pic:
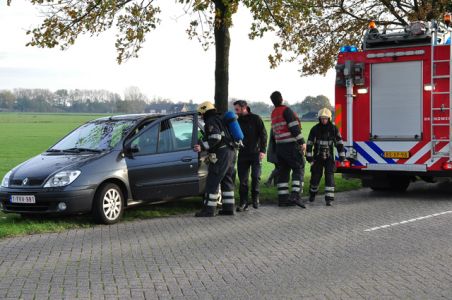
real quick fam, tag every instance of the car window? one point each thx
(171, 135)
(183, 132)
(146, 142)
(97, 135)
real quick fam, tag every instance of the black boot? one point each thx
(256, 202)
(227, 210)
(207, 211)
(311, 197)
(242, 207)
(296, 200)
(328, 201)
(283, 201)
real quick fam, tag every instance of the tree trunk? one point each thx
(222, 45)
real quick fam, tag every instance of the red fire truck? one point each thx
(393, 105)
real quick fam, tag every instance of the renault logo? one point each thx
(25, 181)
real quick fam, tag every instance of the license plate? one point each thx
(396, 154)
(23, 199)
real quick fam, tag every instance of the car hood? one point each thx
(38, 168)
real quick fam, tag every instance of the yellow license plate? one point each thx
(396, 154)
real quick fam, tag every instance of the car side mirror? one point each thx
(130, 150)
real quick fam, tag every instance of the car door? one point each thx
(164, 164)
(202, 165)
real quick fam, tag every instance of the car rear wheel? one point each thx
(108, 204)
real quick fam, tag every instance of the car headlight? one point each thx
(5, 181)
(63, 178)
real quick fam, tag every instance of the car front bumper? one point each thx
(77, 200)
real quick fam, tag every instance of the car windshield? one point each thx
(94, 136)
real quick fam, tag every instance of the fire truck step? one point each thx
(442, 61)
(441, 108)
(440, 76)
(440, 93)
(440, 140)
(441, 125)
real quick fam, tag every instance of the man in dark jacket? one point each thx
(320, 153)
(290, 147)
(251, 154)
(221, 159)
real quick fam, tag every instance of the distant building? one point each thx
(310, 116)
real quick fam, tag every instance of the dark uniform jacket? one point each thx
(324, 137)
(253, 128)
(216, 134)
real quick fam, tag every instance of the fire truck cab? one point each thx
(393, 105)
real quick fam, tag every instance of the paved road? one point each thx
(348, 251)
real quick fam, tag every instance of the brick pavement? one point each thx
(284, 253)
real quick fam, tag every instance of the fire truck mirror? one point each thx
(358, 74)
(340, 79)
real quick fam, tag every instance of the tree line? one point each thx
(133, 101)
(76, 101)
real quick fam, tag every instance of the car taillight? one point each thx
(344, 164)
(447, 165)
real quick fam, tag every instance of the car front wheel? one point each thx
(108, 204)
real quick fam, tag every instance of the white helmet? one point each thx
(325, 113)
(205, 106)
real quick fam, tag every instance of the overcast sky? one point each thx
(170, 65)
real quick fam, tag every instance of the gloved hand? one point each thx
(310, 159)
(341, 158)
(212, 158)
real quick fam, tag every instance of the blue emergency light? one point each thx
(346, 49)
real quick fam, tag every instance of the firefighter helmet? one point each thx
(205, 106)
(325, 113)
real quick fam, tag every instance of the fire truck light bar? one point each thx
(392, 54)
(345, 49)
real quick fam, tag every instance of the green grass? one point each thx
(24, 135)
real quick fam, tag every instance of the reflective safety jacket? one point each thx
(286, 126)
(324, 137)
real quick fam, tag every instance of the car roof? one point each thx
(138, 117)
(131, 117)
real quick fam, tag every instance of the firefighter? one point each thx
(220, 146)
(251, 154)
(320, 153)
(290, 147)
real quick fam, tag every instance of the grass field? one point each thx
(24, 135)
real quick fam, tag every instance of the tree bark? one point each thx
(222, 45)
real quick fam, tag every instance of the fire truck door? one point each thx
(396, 108)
